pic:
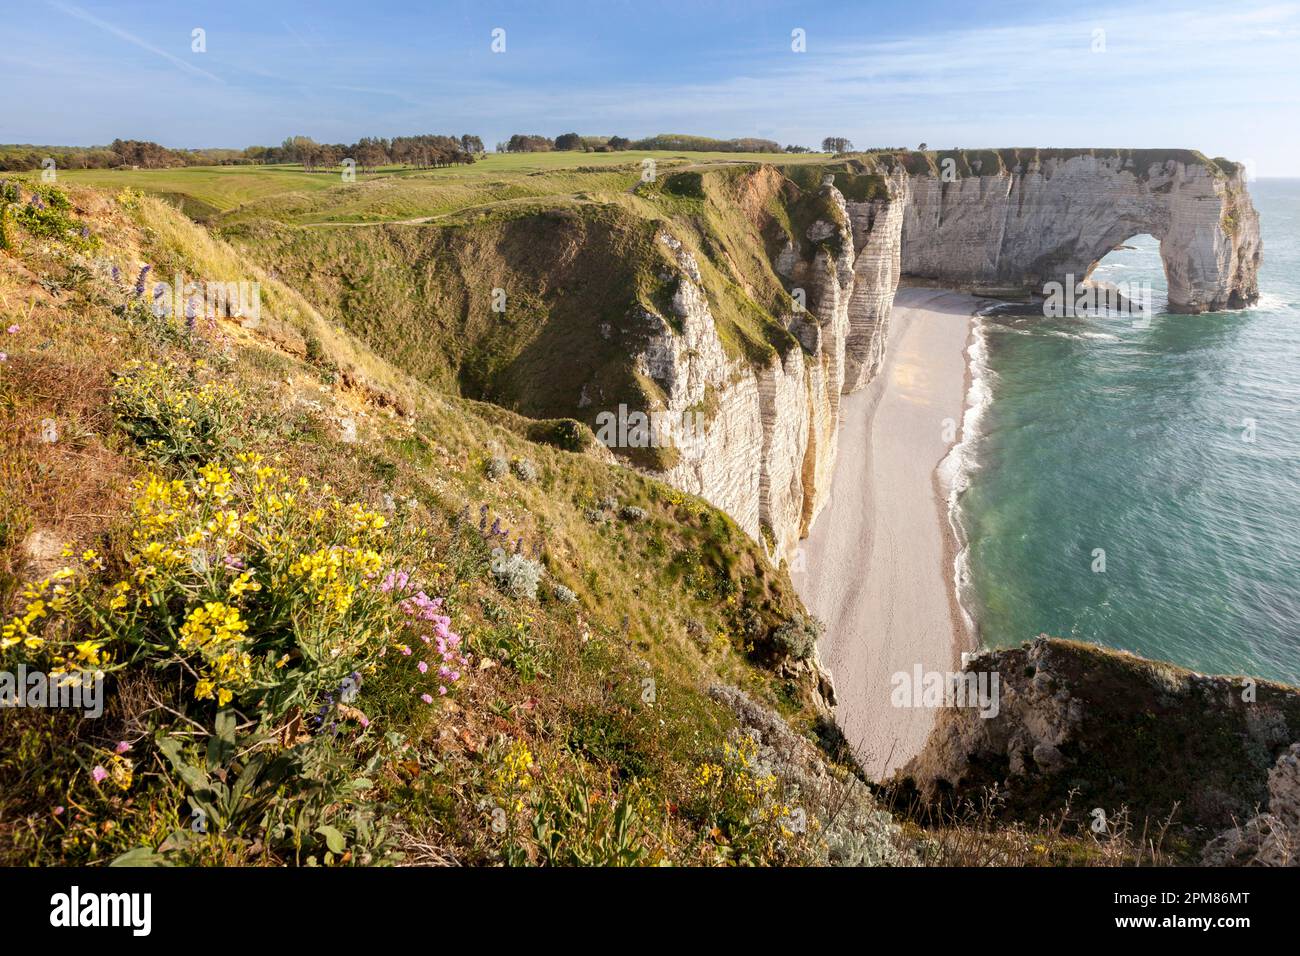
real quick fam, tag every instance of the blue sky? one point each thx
(1223, 77)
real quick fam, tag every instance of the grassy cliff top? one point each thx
(215, 512)
(986, 162)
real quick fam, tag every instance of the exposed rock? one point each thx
(1121, 732)
(1271, 838)
(877, 227)
(43, 551)
(855, 829)
(1054, 216)
(1009, 221)
(767, 449)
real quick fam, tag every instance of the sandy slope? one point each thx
(878, 562)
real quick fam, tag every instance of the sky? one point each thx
(1222, 77)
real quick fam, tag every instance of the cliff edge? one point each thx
(1129, 742)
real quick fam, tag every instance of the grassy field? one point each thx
(290, 194)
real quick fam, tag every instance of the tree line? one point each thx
(372, 152)
(535, 143)
(425, 151)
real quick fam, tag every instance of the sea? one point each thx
(1135, 483)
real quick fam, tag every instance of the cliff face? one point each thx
(877, 233)
(1011, 221)
(1080, 723)
(768, 446)
(747, 299)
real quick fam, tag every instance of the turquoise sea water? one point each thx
(1102, 435)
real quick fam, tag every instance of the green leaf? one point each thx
(222, 743)
(140, 856)
(333, 839)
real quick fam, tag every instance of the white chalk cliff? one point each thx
(1044, 217)
(768, 448)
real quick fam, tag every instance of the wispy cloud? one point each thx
(80, 14)
(1200, 73)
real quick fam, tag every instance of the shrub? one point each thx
(524, 469)
(565, 433)
(737, 796)
(608, 503)
(632, 513)
(253, 586)
(798, 636)
(515, 574)
(496, 468)
(46, 215)
(564, 595)
(172, 414)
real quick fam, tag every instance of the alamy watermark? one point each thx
(74, 908)
(683, 430)
(74, 690)
(193, 300)
(1070, 298)
(979, 690)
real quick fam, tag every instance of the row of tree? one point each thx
(534, 143)
(424, 151)
(370, 152)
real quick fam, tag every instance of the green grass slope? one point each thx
(215, 524)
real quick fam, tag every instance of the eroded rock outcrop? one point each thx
(1012, 220)
(1000, 220)
(877, 225)
(1273, 837)
(1139, 740)
(766, 450)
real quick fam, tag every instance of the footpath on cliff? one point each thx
(878, 562)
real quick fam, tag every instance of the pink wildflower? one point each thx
(99, 774)
(122, 747)
(395, 581)
(426, 698)
(424, 668)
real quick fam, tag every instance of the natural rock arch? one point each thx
(1049, 218)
